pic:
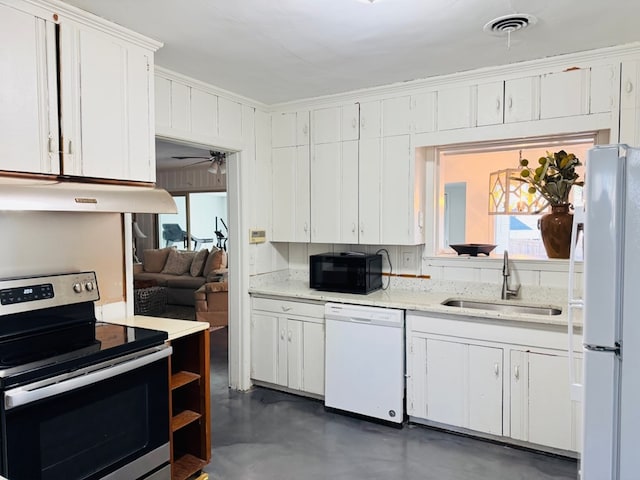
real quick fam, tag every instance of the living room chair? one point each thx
(172, 232)
(212, 304)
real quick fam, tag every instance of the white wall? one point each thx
(37, 243)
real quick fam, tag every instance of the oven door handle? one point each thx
(80, 378)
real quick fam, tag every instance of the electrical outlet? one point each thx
(408, 259)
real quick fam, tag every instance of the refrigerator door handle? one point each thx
(573, 304)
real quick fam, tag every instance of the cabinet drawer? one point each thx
(287, 307)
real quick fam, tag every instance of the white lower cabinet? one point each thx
(506, 381)
(461, 384)
(287, 344)
(540, 403)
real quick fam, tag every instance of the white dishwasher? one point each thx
(364, 360)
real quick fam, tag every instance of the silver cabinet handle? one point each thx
(285, 309)
(305, 129)
(354, 123)
(516, 372)
(353, 228)
(497, 104)
(70, 147)
(51, 150)
(289, 336)
(496, 369)
(306, 227)
(510, 103)
(78, 379)
(362, 123)
(282, 334)
(628, 86)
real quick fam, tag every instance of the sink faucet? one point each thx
(507, 293)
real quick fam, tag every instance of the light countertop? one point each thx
(174, 328)
(423, 301)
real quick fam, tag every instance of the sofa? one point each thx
(212, 303)
(181, 272)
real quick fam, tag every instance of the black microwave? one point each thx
(346, 272)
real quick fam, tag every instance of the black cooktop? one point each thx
(62, 339)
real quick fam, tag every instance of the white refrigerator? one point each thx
(611, 334)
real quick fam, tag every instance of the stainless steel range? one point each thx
(81, 399)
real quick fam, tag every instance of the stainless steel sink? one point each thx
(503, 307)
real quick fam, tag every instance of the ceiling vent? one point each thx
(509, 23)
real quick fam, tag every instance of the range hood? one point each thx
(67, 196)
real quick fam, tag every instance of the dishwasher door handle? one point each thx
(359, 319)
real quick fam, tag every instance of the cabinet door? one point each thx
(630, 103)
(490, 107)
(162, 94)
(396, 192)
(564, 94)
(302, 128)
(454, 108)
(204, 114)
(350, 122)
(396, 116)
(264, 347)
(94, 103)
(604, 90)
(485, 389)
(141, 156)
(349, 209)
(294, 354)
(313, 358)
(370, 121)
(446, 382)
(290, 177)
(326, 125)
(326, 190)
(29, 118)
(229, 119)
(541, 407)
(283, 129)
(369, 178)
(522, 99)
(180, 107)
(423, 112)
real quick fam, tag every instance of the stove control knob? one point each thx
(77, 287)
(89, 286)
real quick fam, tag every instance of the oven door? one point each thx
(106, 421)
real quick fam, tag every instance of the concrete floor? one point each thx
(269, 435)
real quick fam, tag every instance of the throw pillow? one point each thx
(154, 259)
(178, 262)
(214, 261)
(198, 262)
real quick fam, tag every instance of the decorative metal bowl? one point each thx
(473, 249)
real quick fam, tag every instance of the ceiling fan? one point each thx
(217, 160)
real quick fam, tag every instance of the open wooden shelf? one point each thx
(183, 418)
(182, 378)
(186, 466)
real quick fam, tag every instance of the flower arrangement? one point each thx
(553, 177)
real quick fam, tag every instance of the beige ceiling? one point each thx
(283, 50)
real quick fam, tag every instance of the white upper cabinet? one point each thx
(369, 193)
(490, 103)
(192, 113)
(630, 103)
(564, 94)
(370, 120)
(229, 120)
(350, 121)
(326, 125)
(291, 202)
(334, 198)
(105, 97)
(454, 108)
(423, 112)
(28, 93)
(104, 93)
(521, 99)
(396, 116)
(604, 91)
(290, 129)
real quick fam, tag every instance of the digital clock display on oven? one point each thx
(9, 296)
